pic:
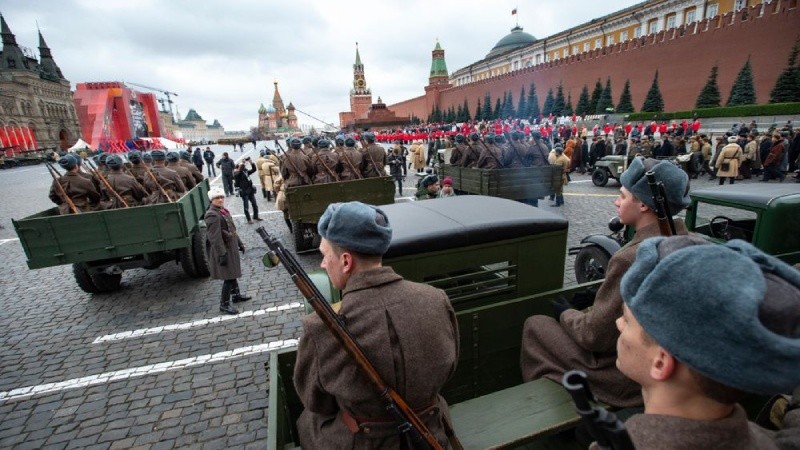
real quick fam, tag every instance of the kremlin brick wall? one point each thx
(683, 57)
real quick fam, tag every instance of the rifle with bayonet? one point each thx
(60, 189)
(666, 225)
(608, 432)
(408, 422)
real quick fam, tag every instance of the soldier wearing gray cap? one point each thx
(698, 344)
(80, 190)
(194, 171)
(166, 178)
(374, 162)
(586, 340)
(123, 184)
(408, 330)
(173, 162)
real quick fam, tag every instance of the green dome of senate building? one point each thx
(516, 39)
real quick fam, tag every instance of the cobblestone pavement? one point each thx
(155, 365)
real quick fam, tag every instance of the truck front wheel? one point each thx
(83, 279)
(600, 177)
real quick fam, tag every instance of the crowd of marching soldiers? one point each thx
(315, 161)
(107, 182)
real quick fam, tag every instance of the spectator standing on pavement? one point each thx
(222, 247)
(197, 159)
(396, 163)
(728, 159)
(226, 167)
(209, 156)
(772, 165)
(247, 191)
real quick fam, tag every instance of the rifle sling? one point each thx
(374, 164)
(350, 163)
(327, 169)
(302, 175)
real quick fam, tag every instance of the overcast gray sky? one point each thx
(221, 57)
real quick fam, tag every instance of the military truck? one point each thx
(766, 215)
(515, 184)
(101, 245)
(306, 204)
(608, 167)
(500, 262)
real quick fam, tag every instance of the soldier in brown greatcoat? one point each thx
(137, 169)
(459, 149)
(173, 162)
(186, 161)
(586, 340)
(491, 156)
(296, 167)
(79, 189)
(407, 330)
(374, 164)
(167, 179)
(472, 152)
(351, 161)
(123, 184)
(326, 163)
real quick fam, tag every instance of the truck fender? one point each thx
(608, 244)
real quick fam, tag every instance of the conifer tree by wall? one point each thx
(487, 107)
(654, 102)
(595, 99)
(743, 91)
(533, 103)
(498, 110)
(559, 102)
(582, 108)
(548, 103)
(709, 96)
(478, 111)
(605, 103)
(522, 105)
(625, 101)
(568, 111)
(787, 87)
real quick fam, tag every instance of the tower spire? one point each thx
(47, 64)
(277, 101)
(12, 54)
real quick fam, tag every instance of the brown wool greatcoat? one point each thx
(221, 239)
(662, 432)
(588, 340)
(196, 173)
(167, 179)
(127, 187)
(296, 168)
(417, 152)
(270, 173)
(326, 166)
(79, 189)
(409, 332)
(374, 163)
(185, 174)
(350, 157)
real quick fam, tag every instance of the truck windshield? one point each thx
(724, 222)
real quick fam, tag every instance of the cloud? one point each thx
(221, 57)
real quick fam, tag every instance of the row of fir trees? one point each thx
(600, 101)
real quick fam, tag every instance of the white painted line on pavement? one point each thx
(197, 323)
(580, 181)
(149, 369)
(3, 241)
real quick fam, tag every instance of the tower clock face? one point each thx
(360, 83)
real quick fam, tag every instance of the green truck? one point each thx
(515, 184)
(100, 245)
(306, 204)
(765, 215)
(500, 262)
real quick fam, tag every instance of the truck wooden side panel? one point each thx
(514, 184)
(50, 239)
(307, 203)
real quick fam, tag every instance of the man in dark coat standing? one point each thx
(222, 244)
(209, 156)
(586, 340)
(226, 166)
(197, 159)
(407, 330)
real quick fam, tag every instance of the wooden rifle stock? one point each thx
(60, 189)
(104, 180)
(155, 180)
(396, 406)
(665, 223)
